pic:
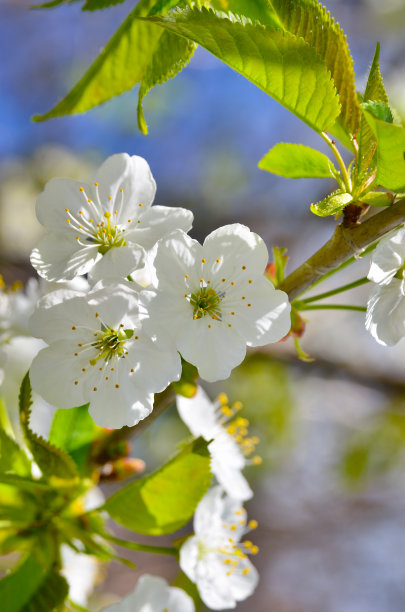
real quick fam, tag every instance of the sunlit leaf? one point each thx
(378, 198)
(390, 153)
(19, 587)
(281, 64)
(171, 55)
(12, 457)
(297, 161)
(374, 92)
(332, 204)
(311, 20)
(165, 500)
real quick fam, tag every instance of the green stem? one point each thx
(161, 550)
(326, 294)
(343, 265)
(331, 307)
(343, 169)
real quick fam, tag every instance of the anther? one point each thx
(140, 205)
(67, 210)
(250, 282)
(76, 382)
(203, 260)
(94, 388)
(96, 184)
(223, 279)
(73, 327)
(117, 386)
(232, 283)
(243, 267)
(81, 189)
(107, 215)
(218, 260)
(243, 297)
(186, 276)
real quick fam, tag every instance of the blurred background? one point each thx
(330, 494)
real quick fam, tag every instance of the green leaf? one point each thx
(187, 385)
(256, 10)
(120, 65)
(332, 204)
(161, 503)
(379, 110)
(73, 428)
(281, 64)
(19, 587)
(377, 198)
(390, 153)
(170, 56)
(95, 5)
(12, 457)
(310, 20)
(374, 92)
(75, 432)
(127, 59)
(297, 161)
(52, 593)
(51, 461)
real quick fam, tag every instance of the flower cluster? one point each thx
(385, 317)
(155, 294)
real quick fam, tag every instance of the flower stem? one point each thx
(302, 306)
(326, 294)
(160, 550)
(343, 169)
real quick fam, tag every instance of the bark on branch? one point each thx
(344, 243)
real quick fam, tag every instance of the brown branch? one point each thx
(344, 243)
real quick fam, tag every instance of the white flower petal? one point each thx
(176, 256)
(214, 351)
(385, 317)
(388, 258)
(189, 557)
(264, 316)
(158, 221)
(116, 407)
(118, 263)
(53, 373)
(59, 194)
(198, 413)
(133, 176)
(155, 366)
(152, 594)
(68, 319)
(241, 252)
(58, 257)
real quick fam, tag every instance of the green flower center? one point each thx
(111, 343)
(206, 301)
(108, 236)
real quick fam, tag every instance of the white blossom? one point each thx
(99, 353)
(153, 594)
(388, 259)
(214, 300)
(385, 317)
(230, 445)
(214, 558)
(103, 228)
